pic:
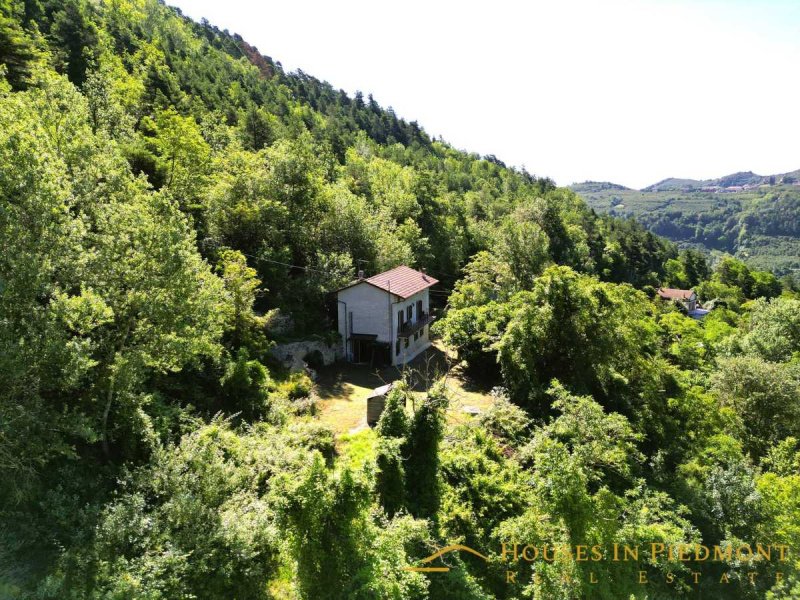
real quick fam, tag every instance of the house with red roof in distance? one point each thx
(385, 318)
(688, 298)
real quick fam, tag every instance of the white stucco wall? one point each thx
(370, 309)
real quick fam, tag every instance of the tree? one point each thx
(676, 276)
(765, 285)
(169, 308)
(524, 247)
(695, 266)
(766, 396)
(17, 53)
(485, 279)
(183, 155)
(190, 524)
(390, 479)
(242, 286)
(474, 332)
(583, 491)
(76, 32)
(735, 273)
(320, 510)
(481, 487)
(393, 433)
(259, 128)
(245, 387)
(103, 305)
(683, 339)
(427, 427)
(241, 213)
(339, 551)
(394, 421)
(593, 337)
(774, 329)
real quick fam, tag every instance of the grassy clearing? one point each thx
(343, 389)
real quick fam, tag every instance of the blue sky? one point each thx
(629, 91)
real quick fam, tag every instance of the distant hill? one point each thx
(674, 184)
(740, 179)
(754, 217)
(597, 186)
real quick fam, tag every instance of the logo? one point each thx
(442, 552)
(514, 555)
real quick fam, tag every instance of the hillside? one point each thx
(750, 216)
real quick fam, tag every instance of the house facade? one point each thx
(385, 319)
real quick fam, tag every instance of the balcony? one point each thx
(409, 328)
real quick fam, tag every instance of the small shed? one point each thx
(376, 402)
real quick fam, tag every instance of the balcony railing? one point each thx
(409, 328)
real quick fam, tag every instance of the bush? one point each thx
(192, 524)
(505, 420)
(314, 436)
(245, 387)
(298, 385)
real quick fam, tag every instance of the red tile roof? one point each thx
(401, 281)
(675, 294)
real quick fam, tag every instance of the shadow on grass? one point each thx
(343, 388)
(339, 381)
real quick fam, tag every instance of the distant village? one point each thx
(716, 189)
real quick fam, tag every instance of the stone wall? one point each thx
(293, 353)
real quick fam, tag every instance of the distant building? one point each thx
(686, 297)
(384, 319)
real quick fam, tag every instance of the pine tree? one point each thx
(16, 53)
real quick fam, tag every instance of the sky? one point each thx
(628, 91)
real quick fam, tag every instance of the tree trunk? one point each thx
(109, 400)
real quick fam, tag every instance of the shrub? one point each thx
(298, 385)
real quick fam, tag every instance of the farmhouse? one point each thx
(688, 298)
(384, 319)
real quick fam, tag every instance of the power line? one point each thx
(277, 262)
(269, 260)
(290, 265)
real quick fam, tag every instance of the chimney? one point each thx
(424, 271)
(360, 274)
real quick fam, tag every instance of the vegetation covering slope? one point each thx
(164, 188)
(750, 216)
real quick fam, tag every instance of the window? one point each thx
(399, 321)
(416, 335)
(410, 313)
(397, 347)
(419, 309)
(406, 344)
